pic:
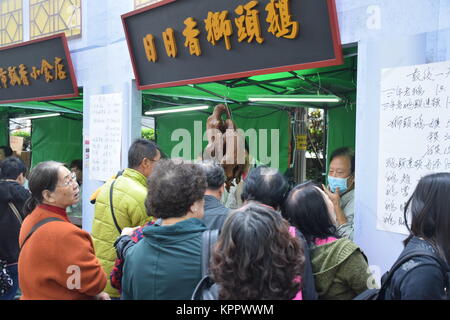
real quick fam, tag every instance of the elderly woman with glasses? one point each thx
(57, 259)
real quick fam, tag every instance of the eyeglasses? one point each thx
(70, 179)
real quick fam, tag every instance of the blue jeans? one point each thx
(14, 274)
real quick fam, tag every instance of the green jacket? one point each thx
(340, 270)
(130, 191)
(166, 263)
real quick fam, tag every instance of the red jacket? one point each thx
(58, 261)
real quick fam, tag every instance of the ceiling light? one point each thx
(296, 98)
(31, 117)
(176, 109)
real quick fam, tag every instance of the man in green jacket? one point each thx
(128, 201)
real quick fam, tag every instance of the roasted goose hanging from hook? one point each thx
(225, 144)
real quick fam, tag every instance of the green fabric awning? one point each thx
(339, 80)
(68, 106)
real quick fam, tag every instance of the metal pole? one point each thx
(300, 131)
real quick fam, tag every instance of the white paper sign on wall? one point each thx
(105, 133)
(414, 135)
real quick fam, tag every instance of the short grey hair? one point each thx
(215, 175)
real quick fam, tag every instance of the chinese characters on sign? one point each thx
(174, 43)
(191, 34)
(414, 135)
(19, 76)
(219, 26)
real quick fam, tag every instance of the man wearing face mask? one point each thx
(341, 189)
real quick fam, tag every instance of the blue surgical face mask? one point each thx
(340, 183)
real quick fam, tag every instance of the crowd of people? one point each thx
(154, 224)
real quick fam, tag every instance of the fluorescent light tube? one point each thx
(329, 99)
(176, 109)
(48, 115)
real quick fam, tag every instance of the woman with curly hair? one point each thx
(256, 257)
(166, 263)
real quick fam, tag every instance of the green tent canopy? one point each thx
(56, 138)
(336, 80)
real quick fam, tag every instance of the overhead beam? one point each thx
(65, 108)
(226, 99)
(312, 83)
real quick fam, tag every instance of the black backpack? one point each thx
(309, 291)
(206, 289)
(378, 294)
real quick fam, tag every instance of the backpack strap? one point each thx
(209, 238)
(112, 207)
(37, 226)
(409, 256)
(16, 212)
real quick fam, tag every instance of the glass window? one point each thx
(11, 23)
(49, 17)
(142, 3)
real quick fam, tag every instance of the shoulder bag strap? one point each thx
(16, 212)
(37, 226)
(209, 238)
(112, 207)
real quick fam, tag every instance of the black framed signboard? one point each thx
(178, 42)
(37, 70)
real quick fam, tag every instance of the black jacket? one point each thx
(215, 213)
(9, 224)
(420, 278)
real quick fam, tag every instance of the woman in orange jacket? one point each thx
(57, 259)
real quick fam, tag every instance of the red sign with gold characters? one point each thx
(37, 70)
(178, 42)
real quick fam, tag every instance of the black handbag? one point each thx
(6, 282)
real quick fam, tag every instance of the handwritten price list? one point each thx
(105, 128)
(414, 136)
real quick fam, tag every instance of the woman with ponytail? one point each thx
(57, 259)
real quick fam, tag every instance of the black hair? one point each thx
(139, 150)
(78, 163)
(345, 152)
(173, 188)
(256, 257)
(265, 185)
(306, 209)
(215, 175)
(43, 177)
(11, 168)
(429, 206)
(7, 150)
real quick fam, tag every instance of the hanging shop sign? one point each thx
(37, 70)
(179, 42)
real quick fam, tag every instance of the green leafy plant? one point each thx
(148, 133)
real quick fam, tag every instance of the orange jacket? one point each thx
(58, 261)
